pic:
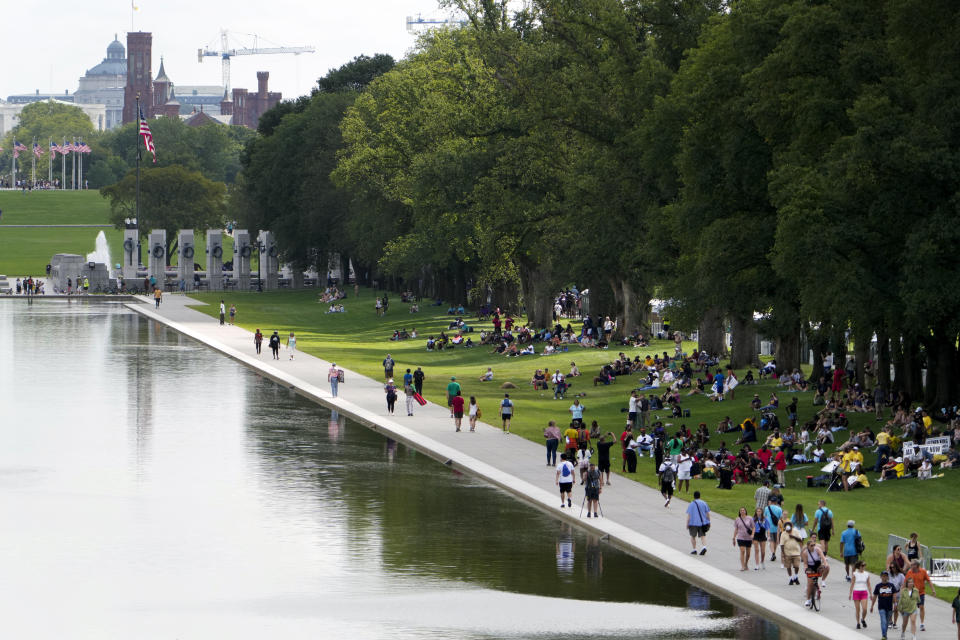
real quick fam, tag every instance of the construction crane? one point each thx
(226, 53)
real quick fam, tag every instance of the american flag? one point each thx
(53, 149)
(37, 150)
(17, 148)
(147, 137)
(85, 148)
(66, 148)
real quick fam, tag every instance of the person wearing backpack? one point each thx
(583, 438)
(667, 473)
(594, 485)
(850, 552)
(824, 519)
(564, 479)
(506, 412)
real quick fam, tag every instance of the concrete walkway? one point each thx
(635, 518)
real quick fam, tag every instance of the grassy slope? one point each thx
(54, 207)
(359, 340)
(26, 251)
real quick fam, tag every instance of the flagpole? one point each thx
(137, 218)
(33, 164)
(50, 165)
(63, 166)
(13, 157)
(80, 169)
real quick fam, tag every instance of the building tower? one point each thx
(139, 76)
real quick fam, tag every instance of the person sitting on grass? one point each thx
(749, 379)
(574, 371)
(487, 376)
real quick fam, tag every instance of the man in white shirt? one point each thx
(684, 465)
(564, 480)
(645, 443)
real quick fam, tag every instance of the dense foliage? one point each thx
(791, 160)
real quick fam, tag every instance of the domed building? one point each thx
(104, 84)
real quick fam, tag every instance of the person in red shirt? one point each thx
(837, 385)
(780, 464)
(456, 403)
(624, 440)
(920, 579)
(765, 454)
(496, 324)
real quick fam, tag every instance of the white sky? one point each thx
(48, 46)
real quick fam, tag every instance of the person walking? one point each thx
(698, 523)
(457, 405)
(473, 412)
(388, 364)
(823, 517)
(223, 312)
(955, 605)
(453, 388)
(552, 436)
(743, 528)
(333, 377)
(275, 345)
(849, 540)
(907, 605)
(920, 579)
(258, 341)
(391, 392)
(409, 392)
(859, 592)
(157, 295)
(593, 486)
(292, 344)
(576, 411)
(506, 412)
(791, 547)
(773, 513)
(884, 595)
(759, 540)
(418, 380)
(233, 313)
(564, 480)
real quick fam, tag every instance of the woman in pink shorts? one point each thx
(860, 592)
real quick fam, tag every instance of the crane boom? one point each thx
(226, 53)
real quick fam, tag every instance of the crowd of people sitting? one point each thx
(330, 294)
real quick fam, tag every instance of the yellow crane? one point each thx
(226, 53)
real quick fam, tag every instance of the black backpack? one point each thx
(826, 522)
(667, 475)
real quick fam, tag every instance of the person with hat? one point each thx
(593, 486)
(388, 365)
(920, 579)
(884, 596)
(849, 541)
(391, 390)
(852, 461)
(453, 390)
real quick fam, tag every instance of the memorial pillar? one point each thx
(214, 259)
(269, 261)
(157, 245)
(185, 259)
(242, 250)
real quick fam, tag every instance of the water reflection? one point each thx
(159, 487)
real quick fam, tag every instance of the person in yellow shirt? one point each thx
(851, 465)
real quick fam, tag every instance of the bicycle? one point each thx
(814, 577)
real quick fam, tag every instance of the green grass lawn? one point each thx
(54, 207)
(359, 340)
(27, 251)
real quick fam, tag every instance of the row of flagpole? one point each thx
(75, 147)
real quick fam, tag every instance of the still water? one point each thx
(150, 488)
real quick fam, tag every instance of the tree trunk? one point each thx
(621, 309)
(788, 351)
(941, 369)
(861, 353)
(537, 288)
(818, 343)
(883, 360)
(710, 334)
(743, 349)
(911, 380)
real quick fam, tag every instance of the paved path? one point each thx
(635, 518)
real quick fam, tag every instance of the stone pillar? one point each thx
(185, 259)
(157, 246)
(242, 250)
(214, 259)
(128, 266)
(269, 261)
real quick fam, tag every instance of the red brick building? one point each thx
(139, 76)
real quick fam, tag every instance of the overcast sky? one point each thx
(48, 46)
